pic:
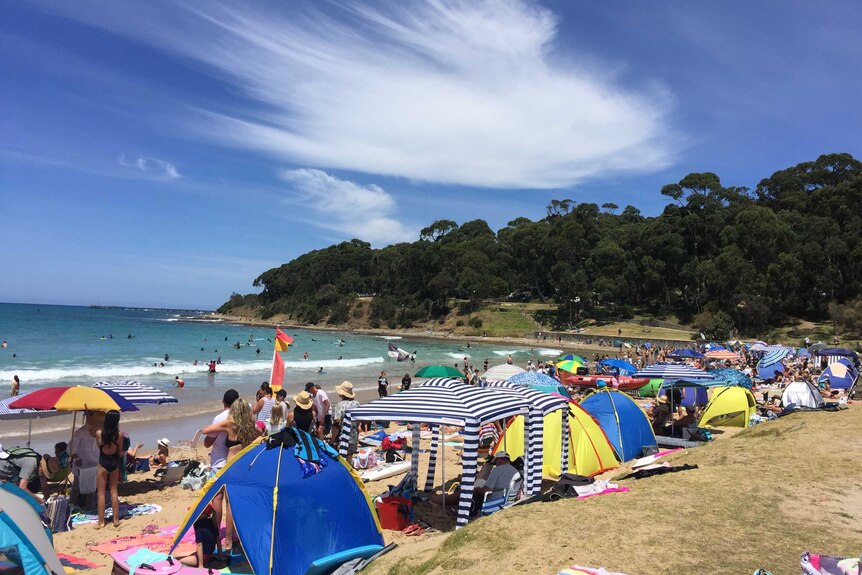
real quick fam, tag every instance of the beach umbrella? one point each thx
(671, 371)
(502, 371)
(533, 378)
(731, 376)
(558, 389)
(572, 357)
(8, 413)
(619, 364)
(758, 346)
(685, 353)
(137, 393)
(438, 371)
(815, 347)
(74, 398)
(569, 365)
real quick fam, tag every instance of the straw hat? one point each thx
(164, 442)
(662, 399)
(345, 389)
(303, 400)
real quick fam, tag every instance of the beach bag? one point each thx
(566, 486)
(195, 477)
(701, 434)
(141, 464)
(365, 460)
(15, 455)
(59, 514)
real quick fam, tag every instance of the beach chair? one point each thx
(173, 474)
(189, 447)
(510, 496)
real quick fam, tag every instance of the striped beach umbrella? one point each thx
(722, 354)
(137, 393)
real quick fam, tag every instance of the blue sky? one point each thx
(166, 153)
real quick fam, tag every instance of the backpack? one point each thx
(15, 455)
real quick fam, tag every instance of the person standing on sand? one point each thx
(382, 385)
(16, 385)
(218, 455)
(108, 440)
(348, 401)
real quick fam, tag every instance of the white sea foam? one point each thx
(505, 352)
(458, 355)
(109, 372)
(390, 337)
(550, 352)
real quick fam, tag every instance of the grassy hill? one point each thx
(758, 499)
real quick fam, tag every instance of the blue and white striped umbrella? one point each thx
(772, 362)
(137, 393)
(672, 371)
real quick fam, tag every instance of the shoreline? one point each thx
(419, 333)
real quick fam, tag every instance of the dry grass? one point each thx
(632, 330)
(759, 498)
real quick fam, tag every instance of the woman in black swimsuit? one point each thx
(108, 440)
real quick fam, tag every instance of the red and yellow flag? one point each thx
(282, 340)
(276, 378)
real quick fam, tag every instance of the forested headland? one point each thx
(723, 258)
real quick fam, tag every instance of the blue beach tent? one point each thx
(25, 544)
(772, 363)
(625, 425)
(840, 376)
(294, 516)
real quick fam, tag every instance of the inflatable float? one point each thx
(624, 382)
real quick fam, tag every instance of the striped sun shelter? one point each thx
(444, 401)
(672, 371)
(541, 405)
(137, 393)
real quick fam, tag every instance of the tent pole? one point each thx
(443, 467)
(29, 429)
(71, 451)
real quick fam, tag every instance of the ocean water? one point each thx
(67, 345)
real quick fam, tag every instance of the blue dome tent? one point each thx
(840, 376)
(24, 541)
(625, 425)
(292, 517)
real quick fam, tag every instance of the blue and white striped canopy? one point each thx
(672, 371)
(137, 393)
(442, 400)
(771, 362)
(544, 402)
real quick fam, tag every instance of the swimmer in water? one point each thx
(320, 369)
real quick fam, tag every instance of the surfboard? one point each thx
(385, 470)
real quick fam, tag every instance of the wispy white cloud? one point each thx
(438, 90)
(364, 212)
(150, 166)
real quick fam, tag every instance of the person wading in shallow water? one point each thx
(382, 385)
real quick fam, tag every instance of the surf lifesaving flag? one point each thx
(282, 340)
(282, 343)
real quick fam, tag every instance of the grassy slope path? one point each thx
(759, 498)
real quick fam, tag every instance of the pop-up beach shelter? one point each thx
(588, 451)
(803, 394)
(730, 407)
(840, 376)
(24, 541)
(296, 504)
(439, 402)
(625, 425)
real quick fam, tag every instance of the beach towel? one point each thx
(658, 470)
(814, 564)
(144, 556)
(126, 511)
(599, 488)
(76, 563)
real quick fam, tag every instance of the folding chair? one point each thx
(172, 475)
(510, 496)
(188, 447)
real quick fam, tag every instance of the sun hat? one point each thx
(303, 400)
(164, 442)
(345, 389)
(501, 455)
(662, 399)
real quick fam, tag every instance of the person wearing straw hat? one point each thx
(660, 414)
(304, 414)
(348, 401)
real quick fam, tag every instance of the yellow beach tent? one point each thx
(590, 452)
(730, 407)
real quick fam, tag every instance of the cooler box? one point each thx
(394, 512)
